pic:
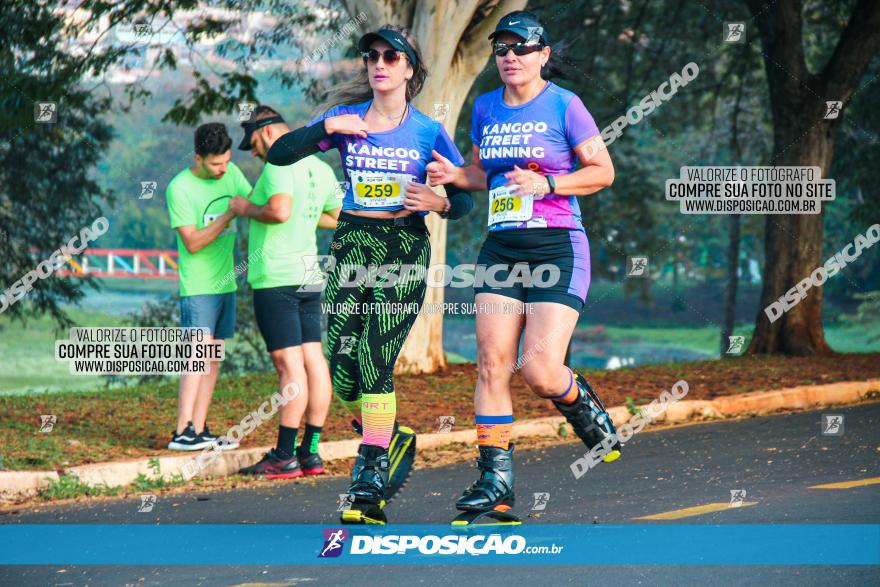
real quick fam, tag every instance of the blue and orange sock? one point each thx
(494, 430)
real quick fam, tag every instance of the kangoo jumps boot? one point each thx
(590, 421)
(401, 454)
(492, 495)
(369, 479)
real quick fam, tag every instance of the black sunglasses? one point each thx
(521, 48)
(390, 56)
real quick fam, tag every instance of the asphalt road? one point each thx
(774, 459)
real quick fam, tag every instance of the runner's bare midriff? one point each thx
(379, 213)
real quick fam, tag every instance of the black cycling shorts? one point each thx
(287, 317)
(537, 264)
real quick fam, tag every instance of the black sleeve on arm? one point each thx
(296, 145)
(460, 202)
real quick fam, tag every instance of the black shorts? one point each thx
(287, 317)
(557, 259)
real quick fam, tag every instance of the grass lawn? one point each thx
(27, 354)
(842, 337)
(129, 284)
(136, 421)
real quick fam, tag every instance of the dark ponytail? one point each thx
(559, 64)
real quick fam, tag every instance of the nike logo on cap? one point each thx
(513, 22)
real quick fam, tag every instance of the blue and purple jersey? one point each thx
(378, 167)
(539, 135)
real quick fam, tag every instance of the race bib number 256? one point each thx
(504, 206)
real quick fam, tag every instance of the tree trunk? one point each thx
(802, 136)
(732, 282)
(423, 350)
(793, 250)
(453, 37)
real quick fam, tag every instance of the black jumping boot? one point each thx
(369, 476)
(488, 500)
(590, 420)
(495, 485)
(401, 454)
(369, 480)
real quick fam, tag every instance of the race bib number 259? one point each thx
(378, 189)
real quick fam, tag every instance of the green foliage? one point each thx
(867, 312)
(46, 169)
(157, 481)
(631, 405)
(70, 487)
(47, 191)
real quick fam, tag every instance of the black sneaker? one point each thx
(310, 463)
(188, 440)
(212, 438)
(272, 466)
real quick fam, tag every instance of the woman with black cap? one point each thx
(385, 145)
(529, 136)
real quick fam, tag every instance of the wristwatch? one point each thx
(447, 206)
(551, 182)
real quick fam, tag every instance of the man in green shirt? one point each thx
(287, 205)
(198, 205)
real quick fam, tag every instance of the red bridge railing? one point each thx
(145, 264)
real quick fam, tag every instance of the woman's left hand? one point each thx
(527, 182)
(421, 198)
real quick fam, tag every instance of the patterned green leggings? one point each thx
(363, 342)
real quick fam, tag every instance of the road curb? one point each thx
(16, 485)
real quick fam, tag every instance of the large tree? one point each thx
(453, 39)
(803, 136)
(47, 192)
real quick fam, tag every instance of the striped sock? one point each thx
(494, 430)
(379, 411)
(570, 395)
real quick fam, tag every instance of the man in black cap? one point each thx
(286, 206)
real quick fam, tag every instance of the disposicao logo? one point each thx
(334, 539)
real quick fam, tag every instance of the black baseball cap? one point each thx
(250, 127)
(393, 38)
(522, 23)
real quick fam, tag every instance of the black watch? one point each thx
(551, 182)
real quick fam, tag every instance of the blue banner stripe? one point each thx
(138, 544)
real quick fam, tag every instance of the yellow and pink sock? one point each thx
(378, 411)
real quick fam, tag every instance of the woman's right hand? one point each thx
(346, 124)
(441, 171)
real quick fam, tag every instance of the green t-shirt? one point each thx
(193, 201)
(276, 251)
